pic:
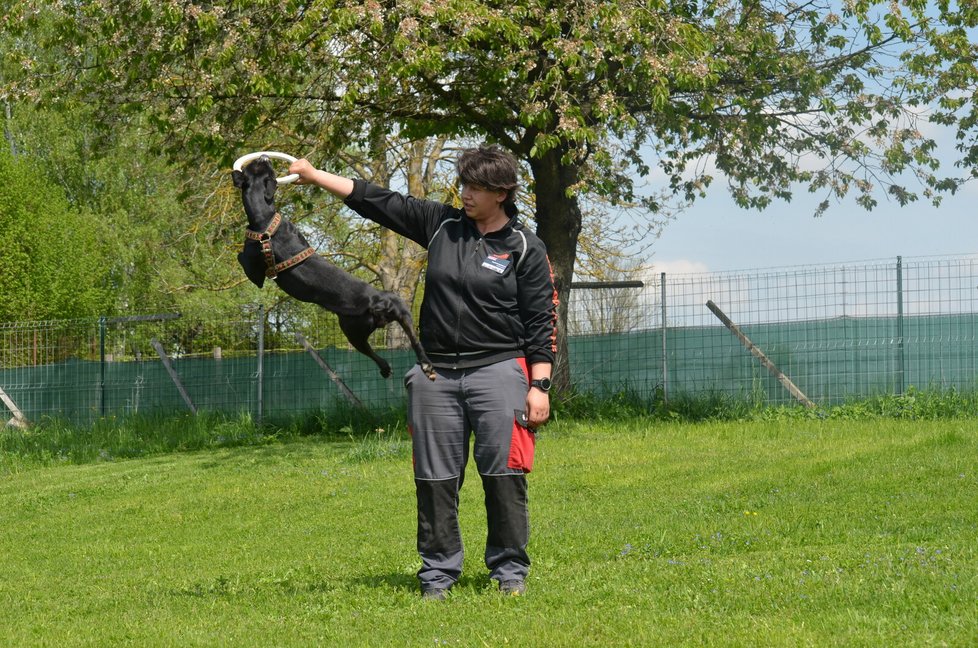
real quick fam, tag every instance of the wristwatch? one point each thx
(543, 384)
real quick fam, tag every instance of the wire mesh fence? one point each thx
(832, 332)
(836, 332)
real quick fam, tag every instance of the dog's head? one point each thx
(257, 184)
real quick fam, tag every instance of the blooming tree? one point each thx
(772, 96)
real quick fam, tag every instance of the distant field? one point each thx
(784, 533)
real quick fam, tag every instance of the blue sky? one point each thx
(716, 235)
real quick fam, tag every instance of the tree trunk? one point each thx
(402, 261)
(400, 272)
(559, 226)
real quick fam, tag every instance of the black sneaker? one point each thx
(435, 593)
(512, 587)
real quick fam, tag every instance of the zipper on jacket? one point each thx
(480, 245)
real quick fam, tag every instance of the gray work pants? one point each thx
(487, 402)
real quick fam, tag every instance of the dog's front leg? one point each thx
(253, 264)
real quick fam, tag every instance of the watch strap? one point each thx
(543, 384)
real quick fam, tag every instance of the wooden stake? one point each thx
(757, 353)
(350, 396)
(173, 374)
(18, 420)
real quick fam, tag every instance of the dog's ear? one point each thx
(238, 178)
(271, 184)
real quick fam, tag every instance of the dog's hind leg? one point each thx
(391, 309)
(357, 329)
(426, 366)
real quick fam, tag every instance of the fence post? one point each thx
(261, 362)
(665, 358)
(901, 379)
(101, 361)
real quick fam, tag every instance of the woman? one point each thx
(488, 323)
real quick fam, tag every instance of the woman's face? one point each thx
(481, 203)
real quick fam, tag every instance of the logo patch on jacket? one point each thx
(497, 263)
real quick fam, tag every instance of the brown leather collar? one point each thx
(273, 269)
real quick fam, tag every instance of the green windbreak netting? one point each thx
(829, 361)
(835, 332)
(291, 383)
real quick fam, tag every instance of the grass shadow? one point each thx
(402, 582)
(398, 581)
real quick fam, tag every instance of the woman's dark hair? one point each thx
(491, 167)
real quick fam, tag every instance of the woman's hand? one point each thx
(537, 407)
(305, 169)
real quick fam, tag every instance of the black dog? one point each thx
(274, 248)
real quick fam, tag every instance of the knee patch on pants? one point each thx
(506, 510)
(438, 530)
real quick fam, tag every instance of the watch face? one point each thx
(542, 383)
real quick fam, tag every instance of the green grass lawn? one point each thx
(784, 533)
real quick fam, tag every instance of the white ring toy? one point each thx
(245, 159)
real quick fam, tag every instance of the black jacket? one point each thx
(487, 298)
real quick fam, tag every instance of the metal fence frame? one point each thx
(833, 332)
(838, 331)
